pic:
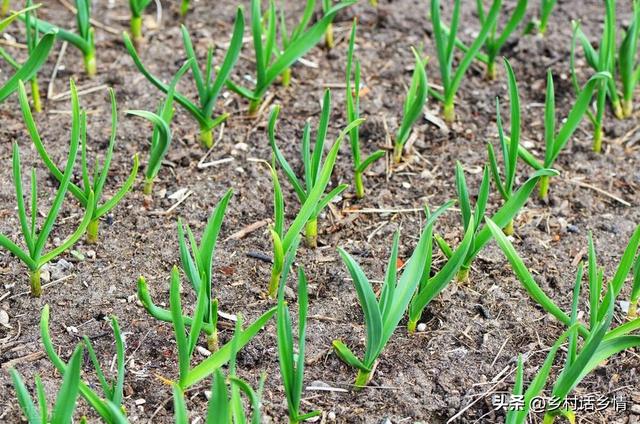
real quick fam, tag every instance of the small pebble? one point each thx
(202, 351)
(139, 402)
(422, 327)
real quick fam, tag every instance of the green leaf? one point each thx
(345, 354)
(27, 71)
(222, 356)
(68, 393)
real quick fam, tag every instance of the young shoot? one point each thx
(445, 41)
(292, 361)
(504, 215)
(271, 63)
(540, 23)
(554, 140)
(311, 196)
(383, 315)
(108, 404)
(35, 236)
(432, 286)
(225, 403)
(311, 163)
(413, 106)
(352, 96)
(197, 265)
(619, 61)
(602, 60)
(187, 331)
(62, 412)
(90, 192)
(161, 136)
(496, 40)
(83, 40)
(137, 7)
(329, 42)
(595, 278)
(208, 84)
(4, 7)
(509, 145)
(635, 291)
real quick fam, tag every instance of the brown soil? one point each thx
(473, 332)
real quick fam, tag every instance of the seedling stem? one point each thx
(311, 233)
(36, 288)
(92, 231)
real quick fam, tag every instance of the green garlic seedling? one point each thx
(197, 262)
(187, 340)
(4, 8)
(32, 42)
(83, 40)
(208, 84)
(292, 362)
(554, 140)
(137, 7)
(540, 23)
(602, 60)
(509, 146)
(65, 404)
(161, 137)
(495, 41)
(108, 405)
(352, 96)
(36, 238)
(328, 33)
(413, 106)
(445, 40)
(383, 315)
(482, 234)
(619, 61)
(197, 265)
(29, 69)
(92, 187)
(286, 243)
(286, 38)
(312, 164)
(432, 286)
(595, 277)
(600, 341)
(225, 404)
(269, 62)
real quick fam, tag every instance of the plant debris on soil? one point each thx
(473, 333)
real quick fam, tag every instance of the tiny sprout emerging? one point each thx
(92, 187)
(540, 23)
(271, 63)
(352, 95)
(413, 106)
(383, 315)
(161, 137)
(83, 40)
(137, 8)
(312, 164)
(208, 84)
(445, 40)
(556, 141)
